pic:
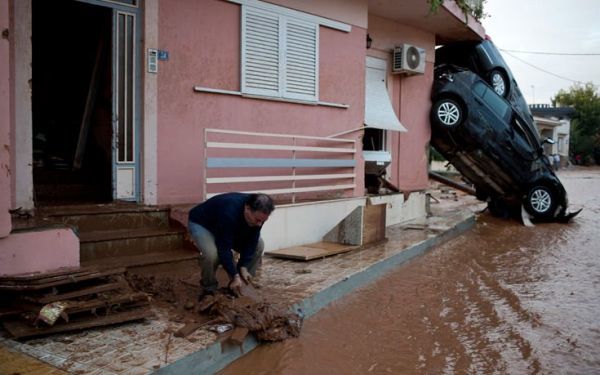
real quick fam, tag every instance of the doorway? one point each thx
(84, 114)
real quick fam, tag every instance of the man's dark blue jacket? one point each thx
(223, 216)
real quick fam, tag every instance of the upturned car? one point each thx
(494, 146)
(484, 59)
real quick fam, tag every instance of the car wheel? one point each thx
(447, 113)
(540, 201)
(499, 83)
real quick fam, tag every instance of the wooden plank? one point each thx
(374, 223)
(121, 299)
(78, 293)
(63, 281)
(20, 329)
(34, 276)
(312, 251)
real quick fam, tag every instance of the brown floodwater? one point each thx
(502, 298)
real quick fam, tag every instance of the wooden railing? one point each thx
(293, 167)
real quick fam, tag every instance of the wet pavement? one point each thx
(150, 346)
(501, 298)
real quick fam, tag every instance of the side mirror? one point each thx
(549, 141)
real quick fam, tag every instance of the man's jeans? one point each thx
(209, 257)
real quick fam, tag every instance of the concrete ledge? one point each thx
(217, 356)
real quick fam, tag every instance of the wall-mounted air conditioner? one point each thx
(408, 59)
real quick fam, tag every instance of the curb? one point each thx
(218, 355)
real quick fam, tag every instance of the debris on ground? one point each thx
(68, 299)
(178, 292)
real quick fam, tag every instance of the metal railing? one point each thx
(294, 167)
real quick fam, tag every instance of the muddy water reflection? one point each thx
(503, 298)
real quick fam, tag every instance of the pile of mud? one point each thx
(266, 321)
(252, 311)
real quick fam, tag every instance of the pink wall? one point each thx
(203, 40)
(353, 12)
(5, 173)
(410, 98)
(38, 251)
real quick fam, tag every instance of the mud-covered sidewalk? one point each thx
(305, 287)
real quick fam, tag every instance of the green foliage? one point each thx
(468, 7)
(585, 125)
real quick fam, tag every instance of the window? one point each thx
(496, 103)
(279, 55)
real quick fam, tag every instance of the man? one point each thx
(227, 222)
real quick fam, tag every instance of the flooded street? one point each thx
(502, 298)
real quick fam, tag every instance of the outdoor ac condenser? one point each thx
(408, 59)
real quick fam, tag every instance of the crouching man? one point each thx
(227, 222)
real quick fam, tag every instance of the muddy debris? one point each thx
(267, 321)
(251, 311)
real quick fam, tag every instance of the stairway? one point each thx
(123, 234)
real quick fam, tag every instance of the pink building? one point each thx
(164, 103)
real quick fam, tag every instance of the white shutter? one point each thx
(301, 42)
(260, 52)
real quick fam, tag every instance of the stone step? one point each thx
(125, 242)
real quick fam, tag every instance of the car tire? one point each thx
(447, 113)
(499, 83)
(540, 201)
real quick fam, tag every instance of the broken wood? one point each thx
(439, 178)
(190, 328)
(62, 280)
(20, 329)
(238, 336)
(78, 293)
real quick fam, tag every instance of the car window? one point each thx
(522, 130)
(496, 103)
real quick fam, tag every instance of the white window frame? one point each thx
(283, 89)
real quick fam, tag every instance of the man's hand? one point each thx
(246, 276)
(236, 285)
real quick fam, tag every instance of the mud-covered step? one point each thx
(98, 217)
(110, 243)
(177, 257)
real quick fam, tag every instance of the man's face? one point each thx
(254, 218)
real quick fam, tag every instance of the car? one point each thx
(484, 59)
(493, 146)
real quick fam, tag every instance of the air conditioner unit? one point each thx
(408, 59)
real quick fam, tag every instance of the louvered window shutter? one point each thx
(279, 55)
(261, 53)
(301, 76)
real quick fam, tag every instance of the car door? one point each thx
(507, 146)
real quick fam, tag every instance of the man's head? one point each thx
(257, 209)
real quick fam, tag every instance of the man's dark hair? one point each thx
(260, 202)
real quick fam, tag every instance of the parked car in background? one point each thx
(494, 146)
(484, 59)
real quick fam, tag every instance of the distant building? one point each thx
(554, 123)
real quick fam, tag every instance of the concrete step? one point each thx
(98, 217)
(148, 261)
(101, 244)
